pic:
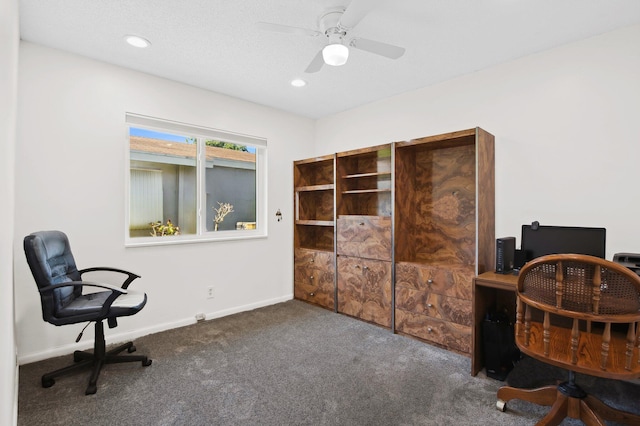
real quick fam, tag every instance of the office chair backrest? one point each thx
(573, 292)
(51, 262)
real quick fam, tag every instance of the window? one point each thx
(188, 183)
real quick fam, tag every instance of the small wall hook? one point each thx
(279, 215)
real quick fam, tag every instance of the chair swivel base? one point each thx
(96, 360)
(566, 400)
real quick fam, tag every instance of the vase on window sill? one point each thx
(215, 226)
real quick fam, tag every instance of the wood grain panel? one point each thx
(314, 277)
(316, 258)
(314, 237)
(315, 205)
(486, 202)
(434, 305)
(453, 281)
(405, 204)
(372, 204)
(366, 169)
(364, 289)
(364, 236)
(313, 171)
(313, 181)
(445, 205)
(442, 333)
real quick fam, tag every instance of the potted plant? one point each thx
(160, 230)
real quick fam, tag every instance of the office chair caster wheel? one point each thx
(147, 363)
(47, 383)
(131, 349)
(501, 405)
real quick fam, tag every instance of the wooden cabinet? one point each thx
(434, 304)
(314, 277)
(363, 235)
(403, 227)
(364, 289)
(364, 268)
(364, 181)
(444, 233)
(314, 231)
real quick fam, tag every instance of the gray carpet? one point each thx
(288, 364)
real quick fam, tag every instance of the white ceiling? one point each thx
(215, 45)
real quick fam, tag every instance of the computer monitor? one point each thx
(541, 240)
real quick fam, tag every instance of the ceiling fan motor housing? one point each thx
(329, 24)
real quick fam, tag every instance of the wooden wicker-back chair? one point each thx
(580, 313)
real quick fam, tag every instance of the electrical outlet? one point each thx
(210, 292)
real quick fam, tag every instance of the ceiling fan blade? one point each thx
(383, 49)
(267, 26)
(357, 10)
(316, 64)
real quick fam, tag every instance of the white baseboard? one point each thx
(249, 307)
(134, 334)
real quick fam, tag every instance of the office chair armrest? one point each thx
(125, 284)
(113, 288)
(115, 292)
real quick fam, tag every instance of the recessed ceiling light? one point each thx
(298, 82)
(137, 41)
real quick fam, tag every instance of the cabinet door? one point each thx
(314, 277)
(446, 334)
(364, 236)
(364, 289)
(454, 280)
(433, 303)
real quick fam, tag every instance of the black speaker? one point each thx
(500, 351)
(505, 254)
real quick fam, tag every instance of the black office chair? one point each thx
(60, 284)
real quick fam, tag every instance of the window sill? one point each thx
(191, 239)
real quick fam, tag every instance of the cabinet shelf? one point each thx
(366, 175)
(310, 188)
(366, 191)
(315, 222)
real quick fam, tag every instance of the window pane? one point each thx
(193, 180)
(230, 185)
(163, 183)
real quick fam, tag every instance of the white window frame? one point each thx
(201, 235)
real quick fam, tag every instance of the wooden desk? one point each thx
(490, 290)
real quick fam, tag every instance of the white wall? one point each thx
(70, 173)
(566, 127)
(9, 39)
(567, 146)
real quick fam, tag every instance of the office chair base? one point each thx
(587, 408)
(96, 360)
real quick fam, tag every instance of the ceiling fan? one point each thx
(335, 25)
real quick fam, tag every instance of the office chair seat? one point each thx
(64, 302)
(91, 304)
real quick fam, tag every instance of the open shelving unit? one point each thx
(314, 230)
(365, 181)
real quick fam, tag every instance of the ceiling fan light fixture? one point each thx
(335, 54)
